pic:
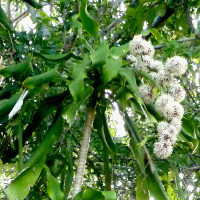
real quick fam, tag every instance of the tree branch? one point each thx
(180, 41)
(20, 16)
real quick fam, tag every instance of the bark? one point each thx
(8, 8)
(83, 151)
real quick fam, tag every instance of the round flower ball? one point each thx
(173, 110)
(138, 46)
(146, 92)
(162, 101)
(163, 149)
(177, 91)
(176, 65)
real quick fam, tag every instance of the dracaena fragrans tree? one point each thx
(99, 99)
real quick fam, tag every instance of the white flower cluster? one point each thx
(168, 103)
(146, 93)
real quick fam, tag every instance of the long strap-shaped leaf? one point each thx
(46, 144)
(90, 25)
(4, 19)
(145, 163)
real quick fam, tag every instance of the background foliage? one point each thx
(70, 55)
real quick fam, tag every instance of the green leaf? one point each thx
(148, 171)
(7, 105)
(33, 3)
(53, 187)
(78, 196)
(188, 128)
(100, 54)
(130, 77)
(111, 68)
(92, 194)
(157, 34)
(54, 56)
(17, 70)
(70, 113)
(108, 138)
(145, 32)
(44, 78)
(119, 51)
(4, 19)
(142, 192)
(109, 195)
(20, 186)
(57, 57)
(143, 142)
(89, 24)
(77, 85)
(46, 144)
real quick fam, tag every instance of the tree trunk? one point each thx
(83, 151)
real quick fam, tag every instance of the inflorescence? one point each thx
(169, 95)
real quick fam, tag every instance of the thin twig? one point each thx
(20, 15)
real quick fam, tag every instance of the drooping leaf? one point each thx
(7, 105)
(70, 113)
(4, 20)
(93, 195)
(100, 54)
(119, 51)
(20, 186)
(188, 127)
(109, 195)
(17, 70)
(157, 34)
(53, 187)
(107, 135)
(143, 142)
(155, 187)
(130, 77)
(89, 24)
(44, 78)
(111, 68)
(46, 144)
(58, 57)
(33, 3)
(141, 188)
(77, 85)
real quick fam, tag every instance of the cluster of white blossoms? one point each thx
(170, 93)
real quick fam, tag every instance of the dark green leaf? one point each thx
(99, 56)
(90, 25)
(33, 3)
(130, 77)
(53, 187)
(17, 70)
(44, 78)
(20, 186)
(111, 68)
(70, 113)
(119, 51)
(4, 20)
(77, 85)
(92, 194)
(46, 144)
(109, 195)
(141, 188)
(7, 105)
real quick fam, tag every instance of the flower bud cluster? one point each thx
(168, 103)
